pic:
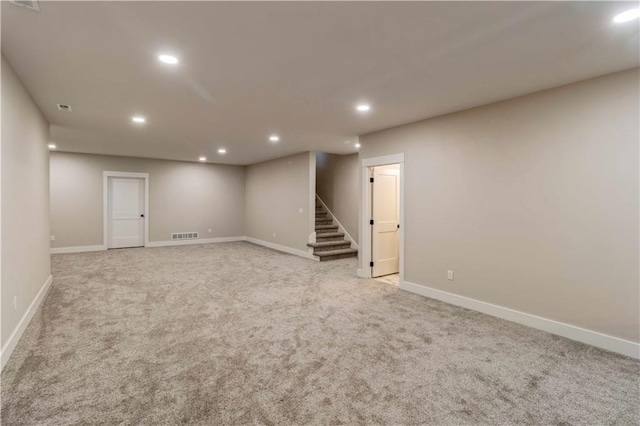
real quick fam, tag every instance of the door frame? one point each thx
(364, 270)
(105, 203)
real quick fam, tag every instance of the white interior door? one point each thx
(126, 212)
(385, 208)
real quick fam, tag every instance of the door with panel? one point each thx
(385, 208)
(126, 212)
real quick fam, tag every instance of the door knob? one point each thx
(142, 215)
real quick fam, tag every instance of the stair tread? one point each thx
(329, 243)
(330, 234)
(335, 252)
(326, 226)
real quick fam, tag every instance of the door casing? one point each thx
(364, 270)
(105, 203)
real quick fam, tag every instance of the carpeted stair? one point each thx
(330, 243)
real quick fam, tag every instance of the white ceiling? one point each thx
(296, 69)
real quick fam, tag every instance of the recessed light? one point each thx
(202, 158)
(52, 146)
(222, 151)
(138, 119)
(363, 107)
(627, 16)
(357, 145)
(274, 138)
(168, 59)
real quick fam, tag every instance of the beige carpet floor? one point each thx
(238, 334)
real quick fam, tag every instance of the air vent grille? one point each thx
(29, 4)
(184, 235)
(64, 107)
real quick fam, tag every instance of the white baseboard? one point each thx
(194, 241)
(604, 341)
(79, 249)
(284, 249)
(11, 344)
(341, 228)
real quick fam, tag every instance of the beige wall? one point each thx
(275, 191)
(338, 185)
(532, 202)
(25, 201)
(182, 197)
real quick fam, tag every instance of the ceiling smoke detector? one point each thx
(29, 4)
(64, 107)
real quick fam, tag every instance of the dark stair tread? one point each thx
(329, 243)
(336, 252)
(330, 235)
(326, 227)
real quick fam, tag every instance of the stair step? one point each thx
(326, 228)
(329, 245)
(330, 236)
(327, 221)
(336, 254)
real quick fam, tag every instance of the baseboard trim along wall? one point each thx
(194, 241)
(610, 343)
(284, 249)
(24, 322)
(79, 249)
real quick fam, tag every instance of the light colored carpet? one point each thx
(239, 334)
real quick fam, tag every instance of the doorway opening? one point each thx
(382, 218)
(126, 207)
(385, 219)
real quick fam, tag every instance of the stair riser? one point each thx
(328, 248)
(338, 256)
(326, 231)
(321, 239)
(324, 222)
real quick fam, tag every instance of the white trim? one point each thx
(340, 227)
(284, 249)
(383, 160)
(79, 249)
(24, 322)
(365, 210)
(195, 241)
(105, 203)
(594, 338)
(311, 204)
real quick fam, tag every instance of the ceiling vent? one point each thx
(64, 107)
(29, 4)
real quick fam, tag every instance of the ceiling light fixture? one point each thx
(363, 107)
(138, 119)
(168, 59)
(274, 138)
(222, 151)
(358, 145)
(627, 16)
(52, 146)
(202, 158)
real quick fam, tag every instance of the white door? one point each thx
(126, 212)
(385, 208)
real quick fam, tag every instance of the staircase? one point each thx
(330, 243)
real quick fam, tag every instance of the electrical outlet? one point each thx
(15, 302)
(450, 275)
(209, 230)
(274, 235)
(300, 210)
(53, 238)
